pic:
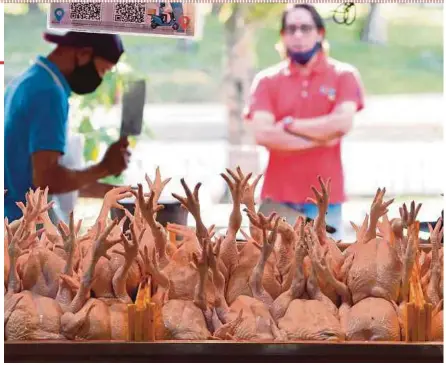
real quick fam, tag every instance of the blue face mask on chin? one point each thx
(303, 57)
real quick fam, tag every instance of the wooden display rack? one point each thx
(142, 314)
(418, 313)
(142, 345)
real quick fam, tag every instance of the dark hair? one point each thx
(317, 19)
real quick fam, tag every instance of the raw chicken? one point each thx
(188, 319)
(378, 273)
(108, 265)
(249, 317)
(285, 283)
(39, 268)
(182, 276)
(182, 287)
(309, 314)
(327, 245)
(30, 316)
(433, 284)
(104, 318)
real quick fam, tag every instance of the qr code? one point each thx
(130, 12)
(85, 11)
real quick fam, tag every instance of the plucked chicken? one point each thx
(286, 282)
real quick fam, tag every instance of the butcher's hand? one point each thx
(117, 157)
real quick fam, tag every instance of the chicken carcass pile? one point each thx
(285, 283)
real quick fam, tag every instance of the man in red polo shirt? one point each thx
(299, 110)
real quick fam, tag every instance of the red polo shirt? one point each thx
(284, 90)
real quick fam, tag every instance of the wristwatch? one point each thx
(287, 121)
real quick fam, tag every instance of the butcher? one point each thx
(36, 119)
(300, 109)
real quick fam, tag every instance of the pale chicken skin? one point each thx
(285, 283)
(310, 320)
(304, 312)
(371, 319)
(183, 320)
(378, 278)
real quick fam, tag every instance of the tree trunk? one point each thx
(239, 72)
(33, 7)
(216, 7)
(375, 29)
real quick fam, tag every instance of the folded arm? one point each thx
(271, 135)
(323, 128)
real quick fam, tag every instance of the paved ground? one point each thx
(403, 117)
(396, 142)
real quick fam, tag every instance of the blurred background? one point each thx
(196, 91)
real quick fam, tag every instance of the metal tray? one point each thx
(224, 351)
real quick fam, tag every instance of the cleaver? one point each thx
(133, 102)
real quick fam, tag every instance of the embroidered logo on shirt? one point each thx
(329, 91)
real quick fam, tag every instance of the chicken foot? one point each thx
(69, 237)
(111, 201)
(323, 267)
(149, 210)
(151, 268)
(157, 186)
(100, 248)
(377, 210)
(433, 289)
(321, 200)
(255, 280)
(297, 287)
(130, 253)
(192, 204)
(202, 266)
(14, 252)
(408, 253)
(248, 200)
(35, 207)
(237, 188)
(318, 266)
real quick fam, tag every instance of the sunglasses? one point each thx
(304, 28)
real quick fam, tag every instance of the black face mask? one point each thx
(85, 79)
(303, 57)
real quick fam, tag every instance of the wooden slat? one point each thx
(140, 296)
(138, 324)
(131, 308)
(151, 308)
(421, 324)
(428, 311)
(145, 324)
(415, 317)
(411, 325)
(141, 315)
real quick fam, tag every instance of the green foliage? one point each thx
(252, 13)
(260, 14)
(411, 62)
